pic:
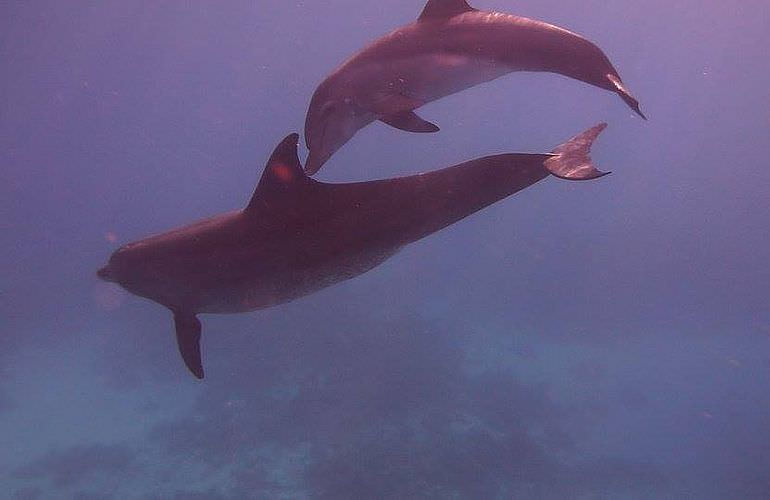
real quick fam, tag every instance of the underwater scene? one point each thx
(439, 249)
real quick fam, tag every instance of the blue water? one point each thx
(607, 339)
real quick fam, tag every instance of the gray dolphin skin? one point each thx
(297, 236)
(451, 47)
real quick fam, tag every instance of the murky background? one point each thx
(607, 339)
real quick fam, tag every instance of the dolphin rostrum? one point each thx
(451, 47)
(297, 235)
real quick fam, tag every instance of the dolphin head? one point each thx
(133, 267)
(586, 62)
(141, 270)
(332, 120)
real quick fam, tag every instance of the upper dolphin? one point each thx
(451, 47)
(297, 235)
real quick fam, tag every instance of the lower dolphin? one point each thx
(451, 47)
(297, 236)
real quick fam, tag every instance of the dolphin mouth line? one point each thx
(105, 274)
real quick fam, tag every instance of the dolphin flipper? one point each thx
(188, 337)
(392, 102)
(571, 160)
(409, 121)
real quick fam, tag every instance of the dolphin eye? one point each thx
(328, 109)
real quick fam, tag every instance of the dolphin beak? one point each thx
(632, 103)
(317, 156)
(314, 163)
(105, 274)
(311, 165)
(624, 94)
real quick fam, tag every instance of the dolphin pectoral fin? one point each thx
(188, 337)
(410, 122)
(392, 102)
(571, 160)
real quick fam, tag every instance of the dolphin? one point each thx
(451, 47)
(297, 235)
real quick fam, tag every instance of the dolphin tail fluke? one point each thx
(572, 159)
(188, 337)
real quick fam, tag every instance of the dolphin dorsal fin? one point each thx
(444, 9)
(283, 175)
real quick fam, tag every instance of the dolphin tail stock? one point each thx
(572, 161)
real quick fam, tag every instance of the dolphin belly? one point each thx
(428, 77)
(290, 283)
